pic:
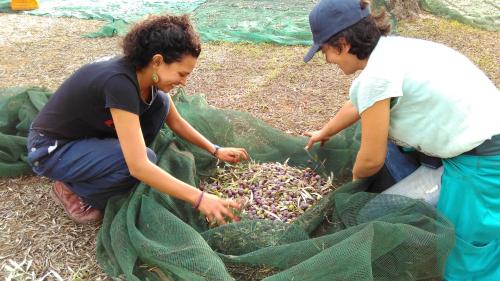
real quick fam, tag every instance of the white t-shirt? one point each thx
(442, 104)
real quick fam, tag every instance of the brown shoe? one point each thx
(79, 211)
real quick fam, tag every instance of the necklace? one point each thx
(145, 96)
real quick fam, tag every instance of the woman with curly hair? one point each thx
(92, 135)
(423, 96)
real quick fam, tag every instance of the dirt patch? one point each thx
(272, 83)
(37, 239)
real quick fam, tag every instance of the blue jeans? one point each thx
(94, 169)
(397, 166)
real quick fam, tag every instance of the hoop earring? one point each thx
(155, 78)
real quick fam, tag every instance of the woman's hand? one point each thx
(316, 136)
(217, 209)
(346, 116)
(231, 154)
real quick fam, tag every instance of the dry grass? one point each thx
(269, 81)
(36, 240)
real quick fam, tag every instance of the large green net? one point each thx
(347, 235)
(278, 21)
(479, 13)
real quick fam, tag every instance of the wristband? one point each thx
(198, 201)
(216, 150)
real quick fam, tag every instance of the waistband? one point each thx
(487, 148)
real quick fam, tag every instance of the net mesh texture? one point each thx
(283, 22)
(348, 235)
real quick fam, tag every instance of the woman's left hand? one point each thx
(232, 154)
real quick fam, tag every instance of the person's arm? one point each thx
(132, 143)
(183, 129)
(374, 134)
(346, 116)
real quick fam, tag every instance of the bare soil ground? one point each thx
(269, 81)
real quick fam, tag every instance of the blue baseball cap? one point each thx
(329, 17)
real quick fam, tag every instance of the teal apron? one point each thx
(470, 199)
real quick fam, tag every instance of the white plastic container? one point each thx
(424, 183)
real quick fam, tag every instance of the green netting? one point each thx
(348, 235)
(18, 106)
(277, 21)
(479, 13)
(4, 6)
(283, 21)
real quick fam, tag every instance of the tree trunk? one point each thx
(403, 9)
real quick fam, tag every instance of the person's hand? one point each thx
(217, 209)
(316, 136)
(231, 154)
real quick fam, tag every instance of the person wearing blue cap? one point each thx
(425, 96)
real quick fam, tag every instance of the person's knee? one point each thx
(151, 155)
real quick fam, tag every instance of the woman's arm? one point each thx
(346, 116)
(183, 129)
(131, 140)
(374, 134)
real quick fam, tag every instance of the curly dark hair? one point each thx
(171, 36)
(363, 36)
